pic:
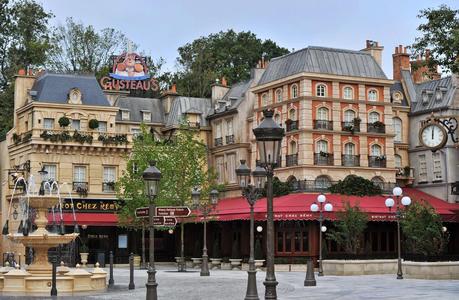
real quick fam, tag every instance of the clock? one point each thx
(433, 136)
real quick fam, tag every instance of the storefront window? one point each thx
(292, 238)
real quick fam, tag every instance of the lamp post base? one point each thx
(399, 276)
(270, 289)
(205, 266)
(151, 285)
(252, 293)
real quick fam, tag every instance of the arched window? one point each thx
(322, 114)
(349, 149)
(294, 91)
(397, 123)
(292, 114)
(348, 93)
(279, 95)
(372, 95)
(293, 182)
(376, 150)
(264, 99)
(373, 117)
(321, 90)
(322, 183)
(293, 149)
(277, 119)
(322, 146)
(398, 161)
(349, 115)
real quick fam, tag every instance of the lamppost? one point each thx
(405, 201)
(205, 208)
(151, 177)
(269, 141)
(251, 193)
(320, 208)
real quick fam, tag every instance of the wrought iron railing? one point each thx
(108, 186)
(230, 139)
(291, 160)
(323, 159)
(350, 126)
(323, 124)
(348, 160)
(218, 141)
(376, 127)
(319, 186)
(291, 125)
(377, 161)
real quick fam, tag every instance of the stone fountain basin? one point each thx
(43, 239)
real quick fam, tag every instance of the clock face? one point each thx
(433, 136)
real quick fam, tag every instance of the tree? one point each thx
(355, 185)
(226, 54)
(279, 188)
(422, 228)
(348, 230)
(440, 34)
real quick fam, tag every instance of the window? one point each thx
(322, 114)
(220, 169)
(79, 174)
(348, 93)
(437, 173)
(277, 119)
(125, 115)
(294, 91)
(218, 133)
(76, 124)
(425, 97)
(397, 123)
(292, 238)
(321, 90)
(322, 146)
(378, 181)
(279, 95)
(349, 149)
(229, 127)
(438, 95)
(373, 117)
(109, 178)
(102, 126)
(293, 148)
(231, 167)
(146, 116)
(373, 95)
(349, 115)
(322, 182)
(264, 100)
(135, 131)
(398, 161)
(422, 168)
(292, 114)
(48, 123)
(375, 150)
(52, 172)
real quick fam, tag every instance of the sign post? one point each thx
(142, 212)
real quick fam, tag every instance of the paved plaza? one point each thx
(231, 285)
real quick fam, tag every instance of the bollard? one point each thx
(131, 272)
(53, 283)
(310, 279)
(111, 282)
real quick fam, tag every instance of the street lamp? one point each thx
(319, 208)
(43, 174)
(269, 140)
(151, 177)
(251, 193)
(205, 208)
(405, 201)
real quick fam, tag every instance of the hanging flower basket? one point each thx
(93, 124)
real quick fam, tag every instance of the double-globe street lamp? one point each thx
(151, 177)
(205, 207)
(269, 141)
(328, 207)
(390, 202)
(251, 192)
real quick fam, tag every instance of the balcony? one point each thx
(323, 159)
(405, 172)
(323, 124)
(291, 125)
(230, 139)
(376, 127)
(377, 161)
(313, 186)
(278, 165)
(81, 188)
(350, 126)
(218, 142)
(108, 187)
(348, 160)
(455, 188)
(291, 160)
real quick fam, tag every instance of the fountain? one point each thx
(35, 279)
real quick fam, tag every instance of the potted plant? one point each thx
(84, 253)
(324, 154)
(64, 121)
(259, 261)
(216, 255)
(235, 259)
(196, 259)
(407, 171)
(93, 124)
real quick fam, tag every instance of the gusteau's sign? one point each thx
(91, 205)
(129, 72)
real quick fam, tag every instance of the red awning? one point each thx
(90, 219)
(297, 207)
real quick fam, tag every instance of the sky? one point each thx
(161, 27)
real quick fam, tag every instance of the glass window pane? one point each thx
(280, 241)
(48, 123)
(102, 126)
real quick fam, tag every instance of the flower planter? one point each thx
(215, 263)
(431, 270)
(226, 266)
(259, 263)
(197, 261)
(359, 267)
(235, 263)
(84, 258)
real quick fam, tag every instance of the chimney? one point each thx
(421, 71)
(23, 84)
(375, 50)
(219, 89)
(168, 97)
(224, 82)
(174, 88)
(400, 61)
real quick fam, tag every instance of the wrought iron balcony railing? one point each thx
(350, 126)
(291, 160)
(376, 127)
(218, 141)
(230, 139)
(323, 159)
(377, 161)
(291, 125)
(348, 160)
(323, 124)
(108, 187)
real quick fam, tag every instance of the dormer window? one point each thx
(372, 95)
(397, 97)
(438, 95)
(146, 116)
(124, 114)
(74, 96)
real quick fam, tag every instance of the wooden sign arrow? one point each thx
(173, 211)
(142, 212)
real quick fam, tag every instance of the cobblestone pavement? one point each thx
(231, 285)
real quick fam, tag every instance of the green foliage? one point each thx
(64, 121)
(93, 124)
(65, 137)
(440, 34)
(82, 138)
(355, 185)
(117, 139)
(182, 161)
(226, 54)
(279, 188)
(348, 230)
(422, 228)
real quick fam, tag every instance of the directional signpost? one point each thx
(165, 215)
(173, 211)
